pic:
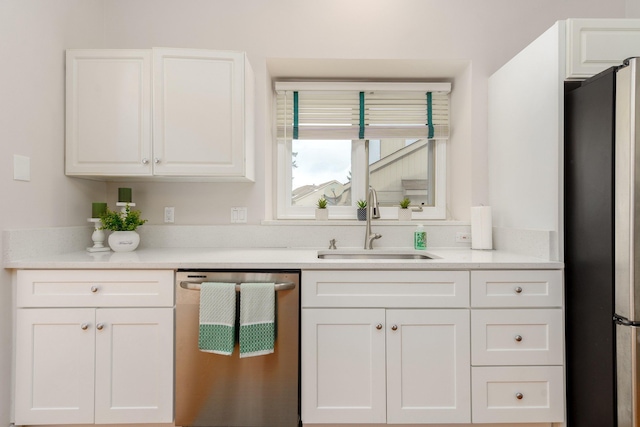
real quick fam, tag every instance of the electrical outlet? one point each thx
(238, 215)
(169, 214)
(463, 237)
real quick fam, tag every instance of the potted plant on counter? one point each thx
(123, 224)
(404, 213)
(362, 210)
(322, 213)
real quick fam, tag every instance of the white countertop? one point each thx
(277, 258)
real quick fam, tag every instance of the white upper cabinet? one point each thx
(160, 113)
(108, 116)
(593, 45)
(202, 104)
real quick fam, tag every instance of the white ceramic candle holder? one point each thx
(123, 206)
(97, 236)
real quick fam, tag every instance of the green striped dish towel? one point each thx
(217, 317)
(257, 316)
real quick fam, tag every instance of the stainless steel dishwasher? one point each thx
(215, 390)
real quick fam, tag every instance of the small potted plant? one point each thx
(362, 210)
(322, 213)
(404, 213)
(123, 224)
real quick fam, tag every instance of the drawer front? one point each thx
(516, 288)
(516, 337)
(532, 394)
(424, 289)
(95, 288)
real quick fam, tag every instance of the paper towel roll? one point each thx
(481, 228)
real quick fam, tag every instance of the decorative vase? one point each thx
(124, 241)
(362, 214)
(404, 214)
(322, 214)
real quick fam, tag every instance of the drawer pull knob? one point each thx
(394, 328)
(100, 326)
(94, 289)
(519, 396)
(84, 326)
(518, 290)
(518, 338)
(145, 161)
(379, 326)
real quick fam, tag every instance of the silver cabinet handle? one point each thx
(519, 396)
(394, 328)
(379, 326)
(84, 326)
(100, 326)
(94, 289)
(156, 160)
(518, 290)
(145, 161)
(518, 338)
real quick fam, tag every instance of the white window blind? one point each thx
(307, 110)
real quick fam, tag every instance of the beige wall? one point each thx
(35, 33)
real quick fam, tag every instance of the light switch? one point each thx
(21, 168)
(238, 215)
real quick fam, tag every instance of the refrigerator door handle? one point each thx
(624, 321)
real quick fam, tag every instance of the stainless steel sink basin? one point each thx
(373, 254)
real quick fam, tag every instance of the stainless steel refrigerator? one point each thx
(602, 183)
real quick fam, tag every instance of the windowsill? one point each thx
(352, 222)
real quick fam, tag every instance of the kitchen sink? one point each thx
(373, 254)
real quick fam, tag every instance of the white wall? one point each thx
(485, 33)
(33, 36)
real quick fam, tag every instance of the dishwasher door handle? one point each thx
(195, 286)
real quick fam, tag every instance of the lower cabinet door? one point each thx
(519, 394)
(134, 365)
(343, 366)
(428, 378)
(54, 366)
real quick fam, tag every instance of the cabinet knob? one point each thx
(156, 160)
(519, 396)
(394, 328)
(94, 289)
(84, 326)
(518, 338)
(145, 161)
(518, 290)
(100, 326)
(379, 326)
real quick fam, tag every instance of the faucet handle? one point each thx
(332, 244)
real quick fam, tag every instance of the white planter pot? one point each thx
(322, 214)
(404, 214)
(124, 241)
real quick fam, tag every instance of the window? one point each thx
(325, 128)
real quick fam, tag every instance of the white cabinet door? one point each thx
(54, 366)
(343, 366)
(108, 112)
(428, 366)
(199, 105)
(134, 365)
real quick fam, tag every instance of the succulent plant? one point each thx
(404, 203)
(322, 203)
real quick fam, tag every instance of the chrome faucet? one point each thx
(372, 212)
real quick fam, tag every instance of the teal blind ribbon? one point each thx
(361, 133)
(430, 114)
(295, 115)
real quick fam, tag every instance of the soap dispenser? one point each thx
(420, 238)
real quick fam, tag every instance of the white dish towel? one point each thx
(257, 319)
(217, 318)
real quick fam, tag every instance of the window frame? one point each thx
(285, 210)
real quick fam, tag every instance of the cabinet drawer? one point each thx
(516, 288)
(423, 289)
(516, 337)
(532, 394)
(95, 288)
